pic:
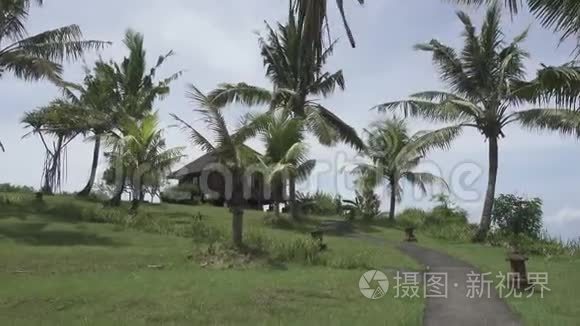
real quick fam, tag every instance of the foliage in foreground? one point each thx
(212, 245)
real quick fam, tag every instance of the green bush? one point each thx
(186, 194)
(452, 232)
(201, 232)
(366, 205)
(518, 215)
(319, 203)
(543, 245)
(7, 187)
(412, 217)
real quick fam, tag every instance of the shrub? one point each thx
(277, 221)
(7, 187)
(186, 194)
(414, 217)
(518, 215)
(543, 245)
(452, 232)
(201, 232)
(319, 203)
(366, 205)
(445, 212)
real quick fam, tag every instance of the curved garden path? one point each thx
(456, 309)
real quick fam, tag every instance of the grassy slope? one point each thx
(560, 306)
(55, 272)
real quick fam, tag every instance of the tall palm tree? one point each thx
(144, 153)
(485, 83)
(96, 96)
(563, 16)
(313, 14)
(395, 154)
(298, 79)
(228, 147)
(64, 122)
(286, 156)
(39, 56)
(135, 90)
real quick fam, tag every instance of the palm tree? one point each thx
(63, 121)
(485, 82)
(144, 153)
(313, 15)
(298, 79)
(39, 56)
(230, 150)
(394, 156)
(135, 89)
(286, 153)
(560, 15)
(96, 96)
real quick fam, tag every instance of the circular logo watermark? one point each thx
(373, 284)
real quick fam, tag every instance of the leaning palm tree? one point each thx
(563, 16)
(485, 83)
(144, 153)
(63, 121)
(230, 150)
(96, 96)
(39, 56)
(395, 154)
(286, 156)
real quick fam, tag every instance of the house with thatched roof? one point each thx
(210, 178)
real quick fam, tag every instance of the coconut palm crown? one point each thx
(485, 83)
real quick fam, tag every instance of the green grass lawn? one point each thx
(560, 306)
(55, 270)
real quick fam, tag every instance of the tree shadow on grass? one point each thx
(35, 234)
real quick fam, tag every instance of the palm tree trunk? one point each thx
(236, 203)
(116, 200)
(292, 197)
(96, 151)
(490, 194)
(393, 202)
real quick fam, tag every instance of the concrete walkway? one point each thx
(457, 308)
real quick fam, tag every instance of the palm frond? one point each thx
(320, 119)
(241, 93)
(564, 121)
(196, 137)
(422, 179)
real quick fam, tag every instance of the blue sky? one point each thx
(215, 41)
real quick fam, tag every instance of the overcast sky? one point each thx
(215, 41)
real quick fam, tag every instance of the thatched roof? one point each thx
(200, 164)
(196, 166)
